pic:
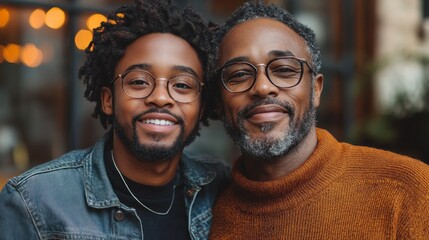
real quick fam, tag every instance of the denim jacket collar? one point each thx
(98, 189)
(195, 175)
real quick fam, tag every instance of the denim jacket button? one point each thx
(119, 215)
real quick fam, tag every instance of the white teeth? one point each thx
(158, 122)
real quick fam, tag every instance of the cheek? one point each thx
(124, 109)
(231, 106)
(191, 114)
(301, 100)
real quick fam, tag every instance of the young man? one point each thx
(145, 70)
(293, 180)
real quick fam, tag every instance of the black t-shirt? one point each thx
(173, 225)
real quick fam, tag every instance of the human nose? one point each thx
(160, 95)
(263, 87)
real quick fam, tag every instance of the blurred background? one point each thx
(375, 62)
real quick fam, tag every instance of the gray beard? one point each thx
(270, 148)
(157, 153)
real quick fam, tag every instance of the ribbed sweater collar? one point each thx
(296, 188)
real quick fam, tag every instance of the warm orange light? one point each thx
(94, 21)
(4, 17)
(37, 18)
(111, 21)
(55, 18)
(82, 39)
(31, 56)
(11, 53)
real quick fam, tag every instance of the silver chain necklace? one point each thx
(129, 190)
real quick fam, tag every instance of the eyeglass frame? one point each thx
(124, 74)
(255, 67)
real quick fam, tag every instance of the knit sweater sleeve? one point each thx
(403, 180)
(413, 207)
(402, 185)
(414, 220)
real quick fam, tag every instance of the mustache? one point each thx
(286, 105)
(137, 117)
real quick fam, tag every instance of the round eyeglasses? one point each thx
(183, 88)
(283, 72)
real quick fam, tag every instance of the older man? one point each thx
(293, 180)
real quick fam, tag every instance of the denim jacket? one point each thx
(72, 198)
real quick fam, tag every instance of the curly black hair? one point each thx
(130, 22)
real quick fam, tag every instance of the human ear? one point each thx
(318, 87)
(107, 101)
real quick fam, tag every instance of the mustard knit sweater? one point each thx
(341, 192)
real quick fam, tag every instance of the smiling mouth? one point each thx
(159, 122)
(266, 109)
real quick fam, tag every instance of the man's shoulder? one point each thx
(381, 156)
(368, 155)
(377, 164)
(53, 169)
(390, 166)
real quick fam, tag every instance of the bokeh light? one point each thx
(94, 21)
(11, 53)
(31, 56)
(37, 18)
(55, 18)
(4, 17)
(82, 39)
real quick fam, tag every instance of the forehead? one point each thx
(160, 51)
(257, 38)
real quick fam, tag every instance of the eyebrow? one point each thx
(178, 68)
(185, 69)
(138, 66)
(237, 59)
(278, 53)
(273, 53)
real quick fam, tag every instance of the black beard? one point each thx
(156, 153)
(268, 148)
